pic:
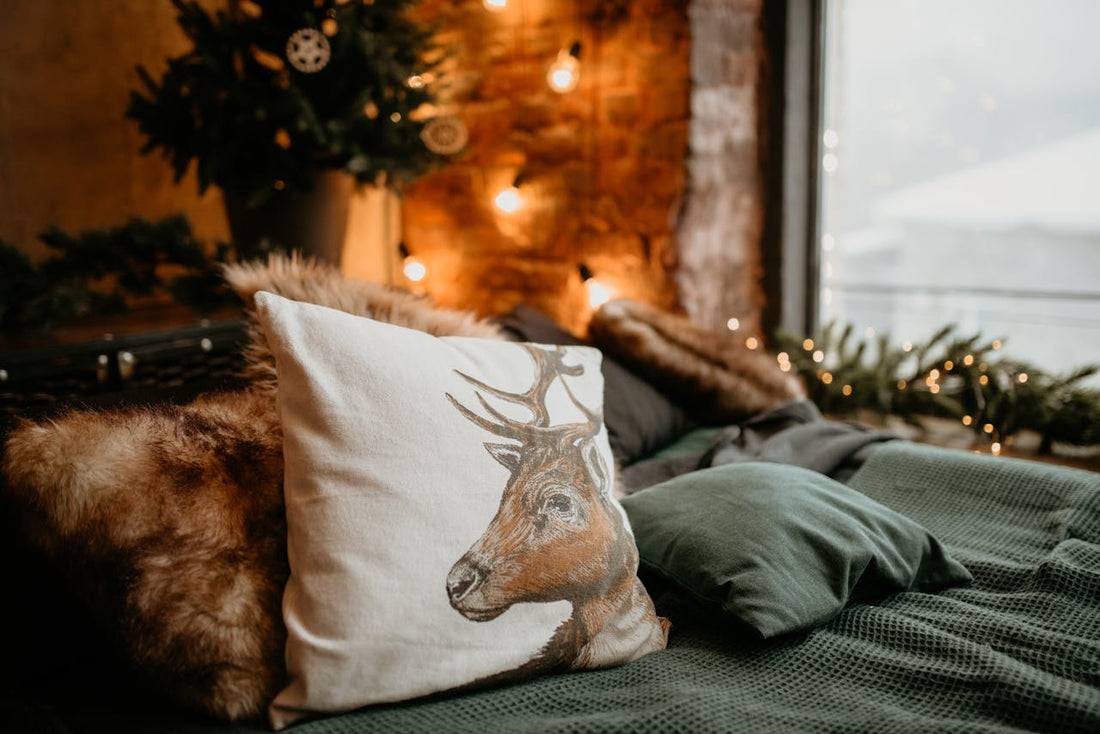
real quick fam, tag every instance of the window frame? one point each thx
(794, 32)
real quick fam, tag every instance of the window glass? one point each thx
(961, 172)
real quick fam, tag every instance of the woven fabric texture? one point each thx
(1019, 649)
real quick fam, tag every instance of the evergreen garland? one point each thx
(99, 271)
(950, 376)
(255, 123)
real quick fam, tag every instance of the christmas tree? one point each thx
(274, 91)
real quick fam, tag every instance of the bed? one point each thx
(993, 624)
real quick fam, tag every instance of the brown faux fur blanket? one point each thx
(712, 374)
(311, 282)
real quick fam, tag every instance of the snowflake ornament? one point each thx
(445, 135)
(308, 50)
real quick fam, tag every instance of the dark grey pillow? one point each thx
(779, 547)
(640, 420)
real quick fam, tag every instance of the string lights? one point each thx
(946, 377)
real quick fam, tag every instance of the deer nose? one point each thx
(462, 579)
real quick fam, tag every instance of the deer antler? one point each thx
(549, 365)
(593, 419)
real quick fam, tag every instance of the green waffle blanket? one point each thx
(1019, 649)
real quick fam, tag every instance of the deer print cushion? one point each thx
(450, 514)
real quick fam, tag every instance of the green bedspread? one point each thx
(1017, 650)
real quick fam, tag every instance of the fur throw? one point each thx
(170, 520)
(293, 277)
(711, 374)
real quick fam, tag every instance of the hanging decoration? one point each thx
(308, 50)
(962, 378)
(445, 135)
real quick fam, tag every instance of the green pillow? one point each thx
(779, 547)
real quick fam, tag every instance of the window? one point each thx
(959, 172)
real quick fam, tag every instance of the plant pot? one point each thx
(312, 222)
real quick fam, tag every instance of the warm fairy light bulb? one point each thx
(497, 6)
(509, 200)
(598, 293)
(414, 269)
(752, 342)
(565, 73)
(733, 324)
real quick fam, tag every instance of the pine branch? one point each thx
(99, 271)
(948, 376)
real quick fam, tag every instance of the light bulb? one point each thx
(565, 73)
(496, 6)
(598, 293)
(508, 200)
(414, 269)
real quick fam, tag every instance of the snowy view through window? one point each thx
(961, 172)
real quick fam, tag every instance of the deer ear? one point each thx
(508, 456)
(594, 462)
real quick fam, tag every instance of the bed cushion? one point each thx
(640, 419)
(449, 513)
(781, 548)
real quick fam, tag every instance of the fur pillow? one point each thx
(170, 520)
(308, 281)
(710, 374)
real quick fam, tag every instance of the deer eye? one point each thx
(559, 504)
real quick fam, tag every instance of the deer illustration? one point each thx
(557, 534)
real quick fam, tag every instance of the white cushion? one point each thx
(445, 529)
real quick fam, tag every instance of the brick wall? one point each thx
(604, 164)
(652, 184)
